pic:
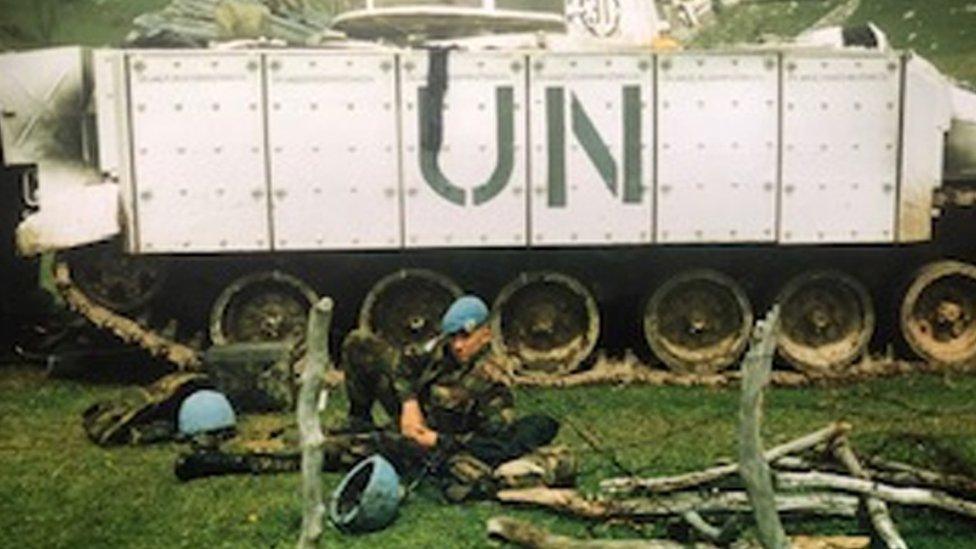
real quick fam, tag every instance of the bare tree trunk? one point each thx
(310, 422)
(752, 464)
(877, 509)
(571, 502)
(624, 485)
(904, 496)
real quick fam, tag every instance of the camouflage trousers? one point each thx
(476, 467)
(521, 437)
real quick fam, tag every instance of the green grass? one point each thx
(62, 491)
(753, 20)
(942, 31)
(41, 23)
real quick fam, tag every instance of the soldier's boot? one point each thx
(467, 477)
(546, 466)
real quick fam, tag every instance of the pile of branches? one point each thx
(816, 475)
(197, 23)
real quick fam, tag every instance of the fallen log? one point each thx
(657, 485)
(527, 535)
(904, 496)
(877, 509)
(571, 502)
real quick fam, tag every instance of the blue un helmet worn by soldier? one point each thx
(447, 403)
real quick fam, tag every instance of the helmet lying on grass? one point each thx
(205, 412)
(368, 497)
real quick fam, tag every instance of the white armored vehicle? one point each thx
(591, 183)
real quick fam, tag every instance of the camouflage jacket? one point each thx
(456, 398)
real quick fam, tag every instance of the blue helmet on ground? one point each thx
(465, 314)
(368, 497)
(205, 411)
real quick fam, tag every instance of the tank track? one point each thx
(183, 357)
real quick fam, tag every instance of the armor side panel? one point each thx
(469, 191)
(840, 148)
(592, 129)
(926, 120)
(198, 146)
(112, 124)
(332, 131)
(718, 140)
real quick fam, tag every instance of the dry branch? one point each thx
(903, 496)
(623, 485)
(890, 472)
(571, 502)
(877, 509)
(752, 463)
(905, 474)
(311, 398)
(702, 526)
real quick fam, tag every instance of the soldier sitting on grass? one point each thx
(452, 417)
(449, 408)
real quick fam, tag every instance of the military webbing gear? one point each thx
(141, 415)
(367, 498)
(255, 376)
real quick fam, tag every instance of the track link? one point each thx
(183, 357)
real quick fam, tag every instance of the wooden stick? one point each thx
(702, 526)
(904, 496)
(624, 485)
(527, 535)
(877, 509)
(752, 463)
(905, 474)
(571, 502)
(310, 397)
(891, 472)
